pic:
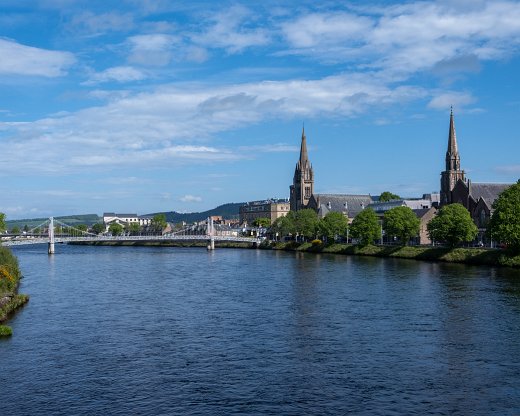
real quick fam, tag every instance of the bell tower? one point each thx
(303, 180)
(452, 174)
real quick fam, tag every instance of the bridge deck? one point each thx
(22, 240)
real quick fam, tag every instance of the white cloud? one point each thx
(118, 74)
(233, 31)
(319, 29)
(172, 124)
(190, 198)
(403, 39)
(20, 59)
(93, 24)
(445, 100)
(152, 49)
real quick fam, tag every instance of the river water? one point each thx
(183, 331)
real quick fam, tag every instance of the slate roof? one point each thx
(336, 203)
(421, 212)
(487, 191)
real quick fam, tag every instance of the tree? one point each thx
(2, 222)
(98, 228)
(15, 230)
(333, 224)
(285, 225)
(365, 227)
(402, 223)
(115, 228)
(262, 222)
(505, 222)
(134, 228)
(306, 222)
(82, 227)
(159, 222)
(388, 196)
(453, 225)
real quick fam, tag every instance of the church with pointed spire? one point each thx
(302, 194)
(303, 181)
(477, 198)
(452, 174)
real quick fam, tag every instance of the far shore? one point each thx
(474, 256)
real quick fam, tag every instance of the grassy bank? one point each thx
(477, 256)
(10, 300)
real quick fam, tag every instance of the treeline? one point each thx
(452, 226)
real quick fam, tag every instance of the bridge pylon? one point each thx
(211, 242)
(50, 247)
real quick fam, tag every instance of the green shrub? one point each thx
(5, 331)
(316, 242)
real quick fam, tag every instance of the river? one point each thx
(184, 331)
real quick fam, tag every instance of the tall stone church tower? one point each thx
(303, 181)
(452, 173)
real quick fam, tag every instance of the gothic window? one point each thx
(307, 192)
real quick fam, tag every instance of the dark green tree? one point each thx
(306, 223)
(26, 228)
(2, 222)
(452, 225)
(365, 227)
(505, 222)
(134, 228)
(388, 196)
(333, 225)
(159, 222)
(401, 222)
(98, 228)
(285, 225)
(81, 227)
(115, 228)
(262, 222)
(15, 230)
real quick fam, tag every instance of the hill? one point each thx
(228, 211)
(88, 219)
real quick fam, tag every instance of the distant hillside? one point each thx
(228, 211)
(88, 219)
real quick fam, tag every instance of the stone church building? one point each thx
(478, 198)
(302, 191)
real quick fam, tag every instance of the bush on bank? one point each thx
(5, 331)
(477, 256)
(9, 280)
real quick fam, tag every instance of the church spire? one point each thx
(453, 173)
(452, 154)
(304, 157)
(303, 180)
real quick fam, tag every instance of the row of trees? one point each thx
(452, 225)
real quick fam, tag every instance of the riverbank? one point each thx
(475, 256)
(10, 299)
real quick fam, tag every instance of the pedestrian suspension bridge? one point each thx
(53, 232)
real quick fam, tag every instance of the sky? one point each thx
(143, 106)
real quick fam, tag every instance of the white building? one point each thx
(126, 219)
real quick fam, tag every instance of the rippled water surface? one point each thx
(134, 330)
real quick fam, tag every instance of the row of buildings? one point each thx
(455, 187)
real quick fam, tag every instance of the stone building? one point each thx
(303, 181)
(271, 208)
(478, 198)
(302, 191)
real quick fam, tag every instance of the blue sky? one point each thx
(145, 106)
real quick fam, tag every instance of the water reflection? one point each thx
(186, 331)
